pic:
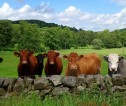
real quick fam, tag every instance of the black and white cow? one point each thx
(1, 59)
(116, 64)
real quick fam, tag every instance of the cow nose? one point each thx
(24, 62)
(74, 67)
(51, 62)
(113, 69)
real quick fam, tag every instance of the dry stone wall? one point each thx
(57, 85)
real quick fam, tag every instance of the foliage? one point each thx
(41, 36)
(5, 33)
(97, 44)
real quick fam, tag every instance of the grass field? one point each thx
(84, 99)
(8, 68)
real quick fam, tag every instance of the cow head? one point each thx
(51, 55)
(24, 55)
(72, 61)
(1, 59)
(113, 60)
(40, 58)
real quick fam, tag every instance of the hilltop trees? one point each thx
(27, 36)
(5, 33)
(34, 36)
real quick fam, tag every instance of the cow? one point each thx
(53, 64)
(72, 68)
(116, 64)
(84, 64)
(27, 64)
(1, 59)
(90, 64)
(40, 59)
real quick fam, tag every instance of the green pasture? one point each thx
(8, 68)
(83, 99)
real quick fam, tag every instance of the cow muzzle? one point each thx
(24, 62)
(74, 67)
(51, 63)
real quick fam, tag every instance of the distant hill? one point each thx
(38, 22)
(44, 24)
(124, 29)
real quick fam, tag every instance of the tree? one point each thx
(29, 37)
(5, 33)
(66, 38)
(97, 44)
(51, 38)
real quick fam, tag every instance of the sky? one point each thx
(96, 15)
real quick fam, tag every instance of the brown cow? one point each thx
(53, 64)
(72, 68)
(90, 64)
(84, 64)
(27, 64)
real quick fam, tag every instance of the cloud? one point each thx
(120, 2)
(71, 16)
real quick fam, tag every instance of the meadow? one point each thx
(8, 68)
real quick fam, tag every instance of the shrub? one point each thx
(97, 44)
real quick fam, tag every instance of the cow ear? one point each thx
(105, 58)
(44, 55)
(57, 54)
(65, 56)
(121, 58)
(81, 56)
(17, 54)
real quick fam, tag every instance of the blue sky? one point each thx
(94, 15)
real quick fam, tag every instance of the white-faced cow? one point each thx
(116, 64)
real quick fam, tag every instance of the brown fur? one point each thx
(90, 64)
(72, 62)
(86, 64)
(29, 68)
(56, 67)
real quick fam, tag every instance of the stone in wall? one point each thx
(2, 81)
(56, 80)
(19, 85)
(41, 83)
(69, 81)
(118, 80)
(2, 92)
(28, 82)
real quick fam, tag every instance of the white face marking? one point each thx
(113, 60)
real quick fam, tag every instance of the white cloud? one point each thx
(24, 9)
(5, 10)
(120, 2)
(71, 17)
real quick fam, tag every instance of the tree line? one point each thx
(40, 36)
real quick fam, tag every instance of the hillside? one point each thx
(45, 24)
